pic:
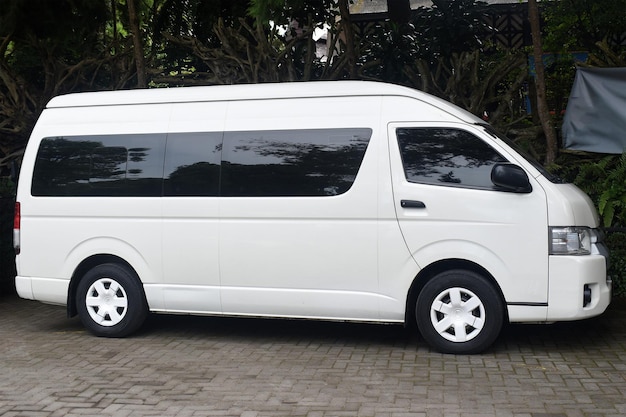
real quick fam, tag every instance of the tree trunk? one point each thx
(348, 34)
(140, 64)
(114, 23)
(540, 81)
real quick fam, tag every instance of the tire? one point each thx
(460, 312)
(110, 301)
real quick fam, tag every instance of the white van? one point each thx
(347, 200)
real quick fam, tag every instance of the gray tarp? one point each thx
(595, 118)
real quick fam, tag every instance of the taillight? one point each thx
(16, 228)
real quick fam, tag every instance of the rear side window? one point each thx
(122, 165)
(444, 156)
(313, 162)
(317, 162)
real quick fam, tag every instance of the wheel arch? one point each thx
(80, 271)
(432, 270)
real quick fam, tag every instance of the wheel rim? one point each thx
(457, 314)
(106, 302)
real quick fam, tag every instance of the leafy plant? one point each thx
(603, 178)
(579, 24)
(617, 266)
(605, 182)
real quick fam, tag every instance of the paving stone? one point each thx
(200, 366)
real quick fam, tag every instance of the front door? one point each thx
(448, 208)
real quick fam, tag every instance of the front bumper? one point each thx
(579, 287)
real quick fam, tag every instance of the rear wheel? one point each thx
(110, 301)
(459, 311)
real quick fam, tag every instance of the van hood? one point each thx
(569, 206)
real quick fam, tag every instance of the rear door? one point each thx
(298, 211)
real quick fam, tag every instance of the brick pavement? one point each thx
(190, 366)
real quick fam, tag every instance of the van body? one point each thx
(346, 200)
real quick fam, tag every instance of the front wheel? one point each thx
(459, 311)
(110, 301)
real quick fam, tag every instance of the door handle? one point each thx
(412, 204)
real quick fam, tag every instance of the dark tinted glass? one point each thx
(446, 157)
(269, 163)
(319, 162)
(192, 164)
(116, 165)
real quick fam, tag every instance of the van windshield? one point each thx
(550, 176)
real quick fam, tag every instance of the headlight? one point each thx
(572, 240)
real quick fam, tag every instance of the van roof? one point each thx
(254, 92)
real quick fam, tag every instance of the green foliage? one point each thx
(7, 188)
(388, 52)
(449, 27)
(440, 52)
(604, 180)
(616, 242)
(578, 24)
(52, 47)
(266, 10)
(41, 18)
(193, 19)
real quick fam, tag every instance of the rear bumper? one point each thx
(46, 290)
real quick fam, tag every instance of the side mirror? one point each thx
(511, 178)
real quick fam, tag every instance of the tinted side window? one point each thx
(192, 164)
(317, 162)
(446, 157)
(115, 165)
